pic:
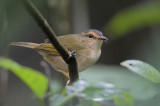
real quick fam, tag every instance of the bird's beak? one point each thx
(102, 38)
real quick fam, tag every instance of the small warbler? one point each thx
(87, 46)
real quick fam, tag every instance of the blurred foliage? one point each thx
(140, 88)
(35, 80)
(143, 69)
(38, 83)
(96, 93)
(134, 17)
(119, 100)
(121, 92)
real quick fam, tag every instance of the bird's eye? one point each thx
(90, 36)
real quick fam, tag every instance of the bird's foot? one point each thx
(72, 53)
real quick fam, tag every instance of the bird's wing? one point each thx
(70, 42)
(48, 48)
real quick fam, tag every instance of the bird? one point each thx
(86, 45)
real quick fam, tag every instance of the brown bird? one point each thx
(87, 46)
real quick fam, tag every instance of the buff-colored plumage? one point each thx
(87, 46)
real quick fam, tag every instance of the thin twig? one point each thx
(67, 57)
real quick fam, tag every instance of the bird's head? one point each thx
(93, 38)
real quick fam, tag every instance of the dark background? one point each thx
(74, 16)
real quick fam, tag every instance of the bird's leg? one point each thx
(67, 75)
(64, 73)
(68, 82)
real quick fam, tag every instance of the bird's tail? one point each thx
(25, 44)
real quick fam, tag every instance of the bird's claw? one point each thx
(72, 53)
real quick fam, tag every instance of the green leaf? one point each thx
(35, 80)
(71, 91)
(101, 91)
(125, 99)
(143, 69)
(57, 100)
(94, 103)
(97, 93)
(140, 88)
(134, 18)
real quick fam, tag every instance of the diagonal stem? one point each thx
(70, 60)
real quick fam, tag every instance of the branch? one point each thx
(68, 57)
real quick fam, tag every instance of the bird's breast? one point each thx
(87, 57)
